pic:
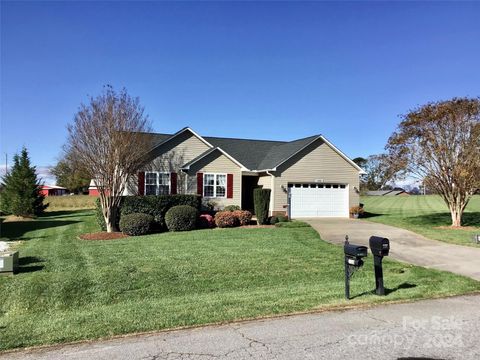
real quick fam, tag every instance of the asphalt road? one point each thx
(405, 245)
(431, 329)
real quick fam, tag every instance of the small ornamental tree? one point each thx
(261, 201)
(439, 143)
(107, 141)
(21, 195)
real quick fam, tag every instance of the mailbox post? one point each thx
(353, 262)
(380, 248)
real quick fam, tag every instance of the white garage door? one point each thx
(318, 200)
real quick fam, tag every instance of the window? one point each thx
(215, 185)
(157, 183)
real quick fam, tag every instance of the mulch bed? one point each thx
(467, 228)
(103, 236)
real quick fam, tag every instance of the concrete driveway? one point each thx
(404, 245)
(431, 329)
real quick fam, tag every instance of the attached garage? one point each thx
(318, 200)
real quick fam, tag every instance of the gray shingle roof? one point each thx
(250, 153)
(253, 154)
(202, 155)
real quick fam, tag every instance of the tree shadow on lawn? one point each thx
(388, 291)
(445, 219)
(367, 214)
(29, 260)
(15, 230)
(66, 213)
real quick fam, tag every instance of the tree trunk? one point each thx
(111, 219)
(456, 213)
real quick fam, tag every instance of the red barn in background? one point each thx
(52, 190)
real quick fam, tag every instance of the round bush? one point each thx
(181, 218)
(231, 208)
(282, 218)
(225, 219)
(244, 217)
(206, 221)
(136, 224)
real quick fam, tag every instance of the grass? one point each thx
(69, 289)
(70, 202)
(426, 215)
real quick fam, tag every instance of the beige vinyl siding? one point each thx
(170, 157)
(217, 163)
(317, 161)
(177, 152)
(265, 181)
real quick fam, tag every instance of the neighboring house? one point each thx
(394, 192)
(92, 188)
(52, 190)
(308, 177)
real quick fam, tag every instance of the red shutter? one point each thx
(141, 183)
(200, 184)
(173, 183)
(229, 186)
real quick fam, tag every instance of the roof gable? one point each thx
(253, 155)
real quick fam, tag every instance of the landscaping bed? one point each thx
(69, 289)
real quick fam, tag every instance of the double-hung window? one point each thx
(215, 185)
(157, 183)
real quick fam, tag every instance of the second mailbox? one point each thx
(379, 246)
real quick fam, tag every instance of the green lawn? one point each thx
(424, 215)
(71, 289)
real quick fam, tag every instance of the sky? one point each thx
(262, 70)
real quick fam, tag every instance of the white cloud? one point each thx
(43, 173)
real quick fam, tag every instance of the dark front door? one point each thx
(248, 184)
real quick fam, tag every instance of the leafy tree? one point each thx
(360, 161)
(439, 143)
(108, 143)
(21, 195)
(379, 170)
(69, 176)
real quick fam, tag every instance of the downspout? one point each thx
(272, 195)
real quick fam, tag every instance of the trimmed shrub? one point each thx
(206, 221)
(282, 218)
(181, 218)
(136, 224)
(231, 208)
(224, 219)
(357, 210)
(155, 205)
(99, 215)
(244, 217)
(272, 220)
(261, 201)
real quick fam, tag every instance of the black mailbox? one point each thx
(353, 261)
(352, 250)
(379, 246)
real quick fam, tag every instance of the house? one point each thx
(394, 192)
(52, 190)
(308, 177)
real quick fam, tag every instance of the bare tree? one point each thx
(439, 143)
(107, 141)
